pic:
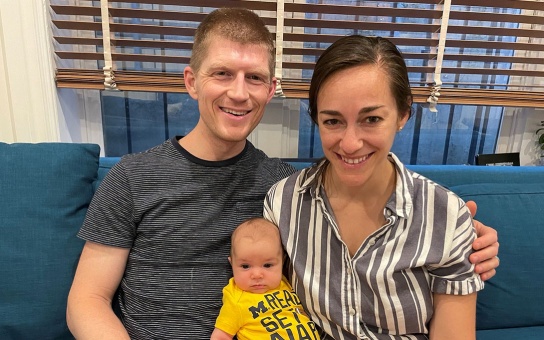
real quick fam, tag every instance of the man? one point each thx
(160, 223)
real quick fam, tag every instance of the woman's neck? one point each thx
(378, 187)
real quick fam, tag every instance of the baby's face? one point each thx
(257, 264)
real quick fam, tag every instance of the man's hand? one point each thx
(486, 247)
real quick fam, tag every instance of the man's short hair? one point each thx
(239, 25)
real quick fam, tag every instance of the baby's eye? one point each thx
(268, 265)
(245, 266)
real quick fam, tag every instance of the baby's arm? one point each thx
(220, 335)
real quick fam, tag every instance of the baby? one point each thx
(258, 302)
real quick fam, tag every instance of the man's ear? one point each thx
(272, 89)
(189, 76)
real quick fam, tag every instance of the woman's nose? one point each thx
(352, 140)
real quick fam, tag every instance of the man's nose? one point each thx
(238, 90)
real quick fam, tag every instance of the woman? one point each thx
(377, 251)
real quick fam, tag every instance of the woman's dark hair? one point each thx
(357, 50)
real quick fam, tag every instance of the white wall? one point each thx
(28, 98)
(530, 151)
(31, 108)
(518, 134)
(277, 134)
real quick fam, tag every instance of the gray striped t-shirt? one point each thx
(176, 212)
(385, 290)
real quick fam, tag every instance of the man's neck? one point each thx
(210, 149)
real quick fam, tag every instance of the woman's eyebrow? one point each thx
(370, 108)
(361, 111)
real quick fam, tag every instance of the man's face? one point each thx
(232, 86)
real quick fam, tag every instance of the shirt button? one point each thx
(372, 242)
(351, 311)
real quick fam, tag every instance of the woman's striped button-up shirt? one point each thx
(385, 290)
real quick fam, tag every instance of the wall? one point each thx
(31, 108)
(28, 97)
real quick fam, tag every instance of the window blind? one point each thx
(493, 53)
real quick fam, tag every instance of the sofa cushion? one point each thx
(104, 166)
(452, 175)
(524, 333)
(513, 298)
(45, 191)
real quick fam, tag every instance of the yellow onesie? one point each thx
(276, 314)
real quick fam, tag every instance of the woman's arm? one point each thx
(454, 317)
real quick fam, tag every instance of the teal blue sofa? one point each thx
(45, 190)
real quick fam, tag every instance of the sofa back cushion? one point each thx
(45, 191)
(514, 297)
(510, 199)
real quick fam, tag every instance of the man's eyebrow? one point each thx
(217, 65)
(258, 70)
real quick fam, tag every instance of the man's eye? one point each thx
(255, 79)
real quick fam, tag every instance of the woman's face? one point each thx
(358, 119)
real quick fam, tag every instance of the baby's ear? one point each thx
(230, 261)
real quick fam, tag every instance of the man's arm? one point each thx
(486, 247)
(89, 313)
(454, 317)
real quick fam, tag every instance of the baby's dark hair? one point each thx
(256, 228)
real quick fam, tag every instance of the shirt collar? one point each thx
(400, 202)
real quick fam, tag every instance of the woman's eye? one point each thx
(330, 122)
(373, 119)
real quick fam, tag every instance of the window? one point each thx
(492, 59)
